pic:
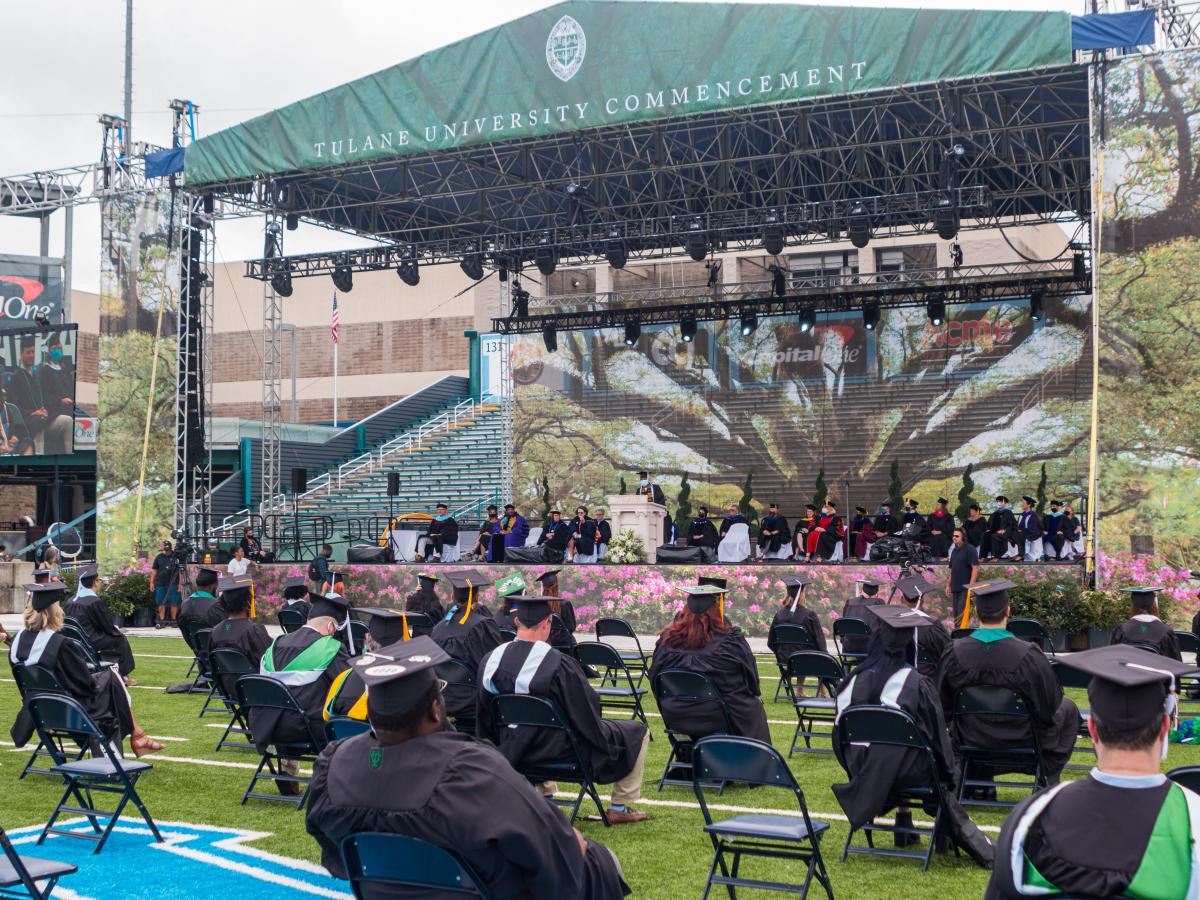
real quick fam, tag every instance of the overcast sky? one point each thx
(64, 65)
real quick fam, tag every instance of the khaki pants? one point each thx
(629, 789)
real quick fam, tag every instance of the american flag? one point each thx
(333, 323)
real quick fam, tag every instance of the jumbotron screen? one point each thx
(37, 391)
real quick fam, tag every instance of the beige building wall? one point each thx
(85, 312)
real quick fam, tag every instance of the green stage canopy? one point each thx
(581, 64)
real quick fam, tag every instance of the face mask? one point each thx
(56, 354)
(703, 516)
(441, 517)
(643, 483)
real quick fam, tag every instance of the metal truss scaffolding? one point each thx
(272, 401)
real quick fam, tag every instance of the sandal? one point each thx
(144, 746)
(129, 682)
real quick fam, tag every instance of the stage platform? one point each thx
(649, 595)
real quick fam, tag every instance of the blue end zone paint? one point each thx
(194, 861)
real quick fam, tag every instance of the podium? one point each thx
(636, 513)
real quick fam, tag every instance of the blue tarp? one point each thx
(1106, 31)
(164, 162)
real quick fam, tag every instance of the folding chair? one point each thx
(95, 663)
(1188, 684)
(1188, 776)
(202, 637)
(638, 660)
(849, 627)
(829, 673)
(887, 727)
(993, 701)
(227, 665)
(606, 660)
(26, 871)
(524, 711)
(73, 630)
(340, 727)
(456, 672)
(264, 692)
(33, 680)
(507, 634)
(1070, 677)
(373, 859)
(557, 627)
(105, 772)
(797, 637)
(290, 620)
(688, 687)
(721, 759)
(358, 631)
(1033, 631)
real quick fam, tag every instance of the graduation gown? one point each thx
(603, 533)
(729, 662)
(240, 634)
(930, 642)
(915, 527)
(468, 642)
(856, 608)
(1147, 629)
(993, 656)
(425, 601)
(301, 606)
(584, 535)
(272, 726)
(976, 533)
(943, 523)
(800, 536)
(442, 532)
(1091, 838)
(555, 536)
(862, 535)
(885, 525)
(824, 543)
(200, 610)
(806, 619)
(1029, 526)
(460, 794)
(513, 531)
(702, 533)
(101, 693)
(612, 745)
(729, 521)
(773, 534)
(1002, 529)
(1053, 533)
(105, 637)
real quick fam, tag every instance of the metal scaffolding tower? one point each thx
(272, 401)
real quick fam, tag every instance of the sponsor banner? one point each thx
(29, 291)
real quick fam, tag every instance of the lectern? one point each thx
(638, 514)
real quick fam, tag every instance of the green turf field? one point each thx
(665, 857)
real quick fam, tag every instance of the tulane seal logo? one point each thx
(565, 48)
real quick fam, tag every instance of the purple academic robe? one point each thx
(516, 535)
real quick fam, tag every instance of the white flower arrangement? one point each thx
(625, 547)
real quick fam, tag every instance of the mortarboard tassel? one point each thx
(470, 600)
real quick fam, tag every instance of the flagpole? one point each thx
(335, 376)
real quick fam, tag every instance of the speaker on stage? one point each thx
(299, 481)
(369, 555)
(393, 484)
(677, 556)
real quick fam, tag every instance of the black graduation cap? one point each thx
(205, 577)
(46, 595)
(714, 580)
(1001, 499)
(398, 676)
(41, 576)
(912, 587)
(1129, 685)
(295, 587)
(467, 580)
(810, 506)
(549, 577)
(943, 501)
(235, 591)
(88, 571)
(643, 474)
(901, 617)
(386, 626)
(427, 576)
(1056, 503)
(870, 586)
(1142, 597)
(1029, 500)
(234, 583)
(794, 581)
(333, 605)
(991, 597)
(702, 596)
(531, 610)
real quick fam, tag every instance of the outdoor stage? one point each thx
(649, 595)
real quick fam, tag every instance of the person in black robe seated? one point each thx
(699, 640)
(562, 630)
(467, 632)
(413, 775)
(794, 612)
(915, 527)
(733, 517)
(200, 609)
(581, 548)
(992, 655)
(1002, 531)
(930, 641)
(886, 522)
(803, 526)
(338, 607)
(237, 630)
(1029, 532)
(774, 533)
(554, 537)
(703, 533)
(93, 617)
(1144, 627)
(529, 665)
(425, 599)
(856, 608)
(348, 694)
(1125, 829)
(490, 526)
(1054, 536)
(862, 533)
(975, 530)
(443, 532)
(307, 661)
(102, 693)
(940, 526)
(878, 773)
(295, 595)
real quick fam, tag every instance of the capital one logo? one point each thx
(565, 48)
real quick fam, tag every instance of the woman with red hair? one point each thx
(700, 640)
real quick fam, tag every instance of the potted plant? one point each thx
(626, 547)
(1058, 606)
(128, 595)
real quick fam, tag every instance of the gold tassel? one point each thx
(470, 600)
(404, 623)
(966, 614)
(252, 613)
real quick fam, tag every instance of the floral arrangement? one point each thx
(625, 547)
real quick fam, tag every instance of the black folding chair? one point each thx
(686, 687)
(1070, 677)
(1189, 685)
(73, 630)
(419, 624)
(1188, 776)
(105, 772)
(457, 672)
(227, 665)
(993, 702)
(373, 859)
(201, 638)
(33, 680)
(722, 759)
(507, 634)
(638, 659)
(358, 631)
(340, 727)
(290, 620)
(264, 692)
(524, 711)
(606, 661)
(95, 663)
(828, 672)
(17, 871)
(883, 726)
(797, 637)
(1033, 631)
(850, 627)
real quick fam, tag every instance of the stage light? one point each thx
(1035, 303)
(773, 235)
(778, 282)
(615, 251)
(633, 331)
(749, 324)
(409, 272)
(808, 320)
(1078, 269)
(550, 338)
(697, 241)
(545, 256)
(935, 308)
(520, 299)
(210, 204)
(945, 216)
(870, 313)
(292, 220)
(343, 277)
(472, 266)
(281, 279)
(858, 225)
(687, 329)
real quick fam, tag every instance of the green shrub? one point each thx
(1057, 605)
(126, 592)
